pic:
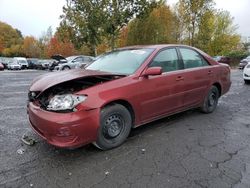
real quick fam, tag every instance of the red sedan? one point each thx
(1, 67)
(123, 89)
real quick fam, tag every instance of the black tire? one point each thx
(247, 81)
(66, 68)
(211, 100)
(115, 126)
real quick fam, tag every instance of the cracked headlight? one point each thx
(65, 102)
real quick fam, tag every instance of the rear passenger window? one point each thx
(192, 59)
(167, 59)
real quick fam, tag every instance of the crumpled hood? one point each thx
(43, 82)
(58, 57)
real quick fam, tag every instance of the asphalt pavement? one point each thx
(187, 150)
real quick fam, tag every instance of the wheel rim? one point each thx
(113, 126)
(66, 68)
(212, 99)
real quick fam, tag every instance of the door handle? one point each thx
(179, 78)
(210, 72)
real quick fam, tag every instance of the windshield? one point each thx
(121, 61)
(22, 61)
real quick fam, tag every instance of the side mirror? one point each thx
(152, 71)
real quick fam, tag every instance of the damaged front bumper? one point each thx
(65, 130)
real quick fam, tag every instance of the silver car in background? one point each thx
(14, 66)
(74, 62)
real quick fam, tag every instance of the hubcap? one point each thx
(113, 126)
(212, 100)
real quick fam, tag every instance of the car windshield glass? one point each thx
(22, 61)
(121, 61)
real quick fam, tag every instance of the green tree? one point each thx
(158, 27)
(191, 12)
(206, 30)
(224, 39)
(95, 20)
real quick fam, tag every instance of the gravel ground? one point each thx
(189, 150)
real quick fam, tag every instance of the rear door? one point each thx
(197, 75)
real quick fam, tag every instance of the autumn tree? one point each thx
(1, 45)
(10, 40)
(123, 37)
(31, 47)
(55, 46)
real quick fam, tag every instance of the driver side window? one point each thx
(167, 60)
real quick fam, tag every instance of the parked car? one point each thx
(246, 73)
(32, 63)
(43, 64)
(6, 62)
(223, 59)
(121, 90)
(1, 67)
(22, 61)
(58, 59)
(244, 62)
(14, 66)
(75, 62)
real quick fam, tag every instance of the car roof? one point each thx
(160, 46)
(156, 46)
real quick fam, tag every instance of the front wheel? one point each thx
(115, 126)
(66, 68)
(211, 100)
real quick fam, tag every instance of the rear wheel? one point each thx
(115, 126)
(211, 100)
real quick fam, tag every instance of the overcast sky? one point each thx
(33, 17)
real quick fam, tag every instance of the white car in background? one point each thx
(246, 74)
(21, 61)
(13, 66)
(73, 62)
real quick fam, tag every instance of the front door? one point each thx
(162, 94)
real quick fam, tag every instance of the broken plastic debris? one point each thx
(107, 173)
(28, 140)
(20, 151)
